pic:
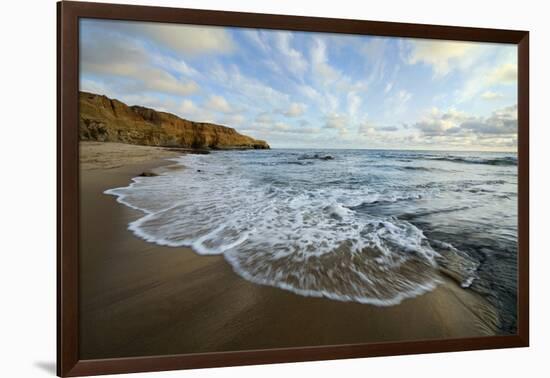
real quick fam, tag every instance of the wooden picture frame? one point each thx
(68, 361)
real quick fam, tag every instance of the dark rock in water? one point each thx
(193, 151)
(148, 174)
(198, 170)
(316, 157)
(199, 152)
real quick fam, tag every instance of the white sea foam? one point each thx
(308, 240)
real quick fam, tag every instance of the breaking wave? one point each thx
(329, 231)
(503, 161)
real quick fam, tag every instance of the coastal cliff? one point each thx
(107, 120)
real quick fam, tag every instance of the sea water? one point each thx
(370, 226)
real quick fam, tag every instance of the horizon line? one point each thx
(387, 149)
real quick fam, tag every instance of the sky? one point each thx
(310, 90)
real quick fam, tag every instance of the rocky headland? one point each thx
(108, 120)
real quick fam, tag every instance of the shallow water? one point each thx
(355, 225)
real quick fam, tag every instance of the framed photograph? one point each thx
(238, 188)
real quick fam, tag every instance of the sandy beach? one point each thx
(140, 299)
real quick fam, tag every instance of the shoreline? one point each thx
(142, 299)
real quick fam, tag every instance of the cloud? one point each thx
(188, 107)
(127, 62)
(191, 39)
(175, 64)
(309, 92)
(293, 59)
(330, 89)
(264, 118)
(442, 56)
(483, 78)
(161, 81)
(255, 36)
(374, 50)
(502, 121)
(93, 86)
(234, 120)
(456, 124)
(215, 109)
(397, 102)
(327, 75)
(504, 74)
(319, 62)
(113, 56)
(354, 102)
(250, 91)
(295, 110)
(150, 101)
(337, 122)
(370, 129)
(281, 126)
(366, 129)
(323, 97)
(403, 97)
(483, 67)
(374, 47)
(306, 130)
(183, 39)
(218, 104)
(144, 79)
(440, 123)
(265, 123)
(489, 95)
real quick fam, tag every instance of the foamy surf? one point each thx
(325, 229)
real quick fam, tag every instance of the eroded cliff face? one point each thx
(107, 120)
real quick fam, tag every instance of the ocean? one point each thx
(369, 226)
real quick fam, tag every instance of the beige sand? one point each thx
(97, 155)
(139, 299)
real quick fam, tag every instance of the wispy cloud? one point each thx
(490, 95)
(442, 56)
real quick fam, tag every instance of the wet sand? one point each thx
(141, 299)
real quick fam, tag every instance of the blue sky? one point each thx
(319, 90)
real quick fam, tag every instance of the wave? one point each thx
(387, 198)
(456, 264)
(319, 234)
(414, 168)
(472, 186)
(310, 242)
(501, 161)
